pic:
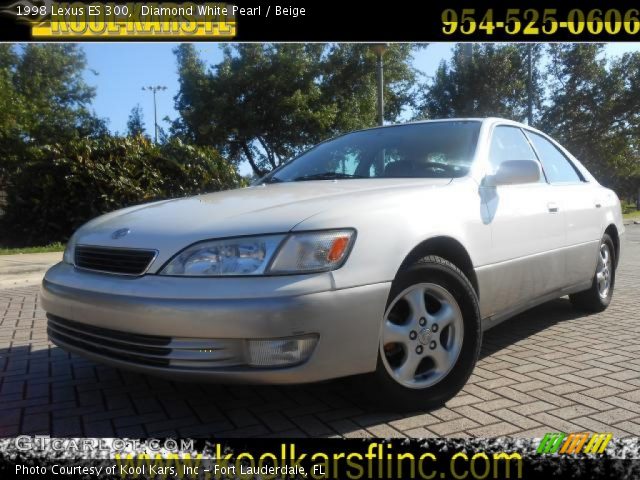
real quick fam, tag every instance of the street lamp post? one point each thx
(155, 108)
(467, 55)
(379, 49)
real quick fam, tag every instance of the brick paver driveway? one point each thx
(549, 369)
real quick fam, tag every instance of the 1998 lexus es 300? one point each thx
(385, 251)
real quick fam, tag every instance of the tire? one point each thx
(443, 355)
(598, 297)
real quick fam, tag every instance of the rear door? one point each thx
(579, 203)
(527, 232)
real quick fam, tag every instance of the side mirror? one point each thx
(512, 172)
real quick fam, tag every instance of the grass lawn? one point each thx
(635, 215)
(54, 247)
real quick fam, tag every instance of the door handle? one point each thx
(553, 207)
(598, 205)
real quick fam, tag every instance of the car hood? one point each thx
(170, 225)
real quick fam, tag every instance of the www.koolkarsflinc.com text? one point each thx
(379, 460)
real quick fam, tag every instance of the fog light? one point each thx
(280, 352)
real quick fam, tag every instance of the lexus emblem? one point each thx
(424, 336)
(120, 233)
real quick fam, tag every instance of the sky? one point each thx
(120, 70)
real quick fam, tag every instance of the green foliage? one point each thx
(11, 108)
(53, 247)
(586, 101)
(61, 186)
(349, 81)
(484, 80)
(265, 103)
(628, 207)
(593, 108)
(135, 123)
(49, 77)
(60, 166)
(43, 99)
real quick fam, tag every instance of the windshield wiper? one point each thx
(272, 180)
(326, 176)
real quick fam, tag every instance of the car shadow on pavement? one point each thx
(48, 391)
(528, 323)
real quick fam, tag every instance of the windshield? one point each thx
(419, 150)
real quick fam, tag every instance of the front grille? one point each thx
(124, 261)
(151, 350)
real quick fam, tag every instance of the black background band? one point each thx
(376, 21)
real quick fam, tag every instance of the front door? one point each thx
(527, 233)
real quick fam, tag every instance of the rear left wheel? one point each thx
(598, 297)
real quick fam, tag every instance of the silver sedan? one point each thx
(385, 252)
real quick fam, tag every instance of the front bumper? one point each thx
(223, 312)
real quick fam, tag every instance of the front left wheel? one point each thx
(430, 337)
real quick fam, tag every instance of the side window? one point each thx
(509, 143)
(556, 166)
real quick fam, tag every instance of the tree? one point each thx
(628, 68)
(43, 100)
(593, 110)
(57, 99)
(135, 124)
(11, 109)
(349, 83)
(59, 166)
(265, 103)
(67, 184)
(483, 80)
(192, 124)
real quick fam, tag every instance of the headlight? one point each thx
(233, 256)
(70, 251)
(305, 252)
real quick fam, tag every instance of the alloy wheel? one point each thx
(603, 272)
(422, 335)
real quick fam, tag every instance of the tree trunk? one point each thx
(247, 153)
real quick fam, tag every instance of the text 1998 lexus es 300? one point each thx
(384, 251)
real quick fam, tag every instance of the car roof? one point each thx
(487, 120)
